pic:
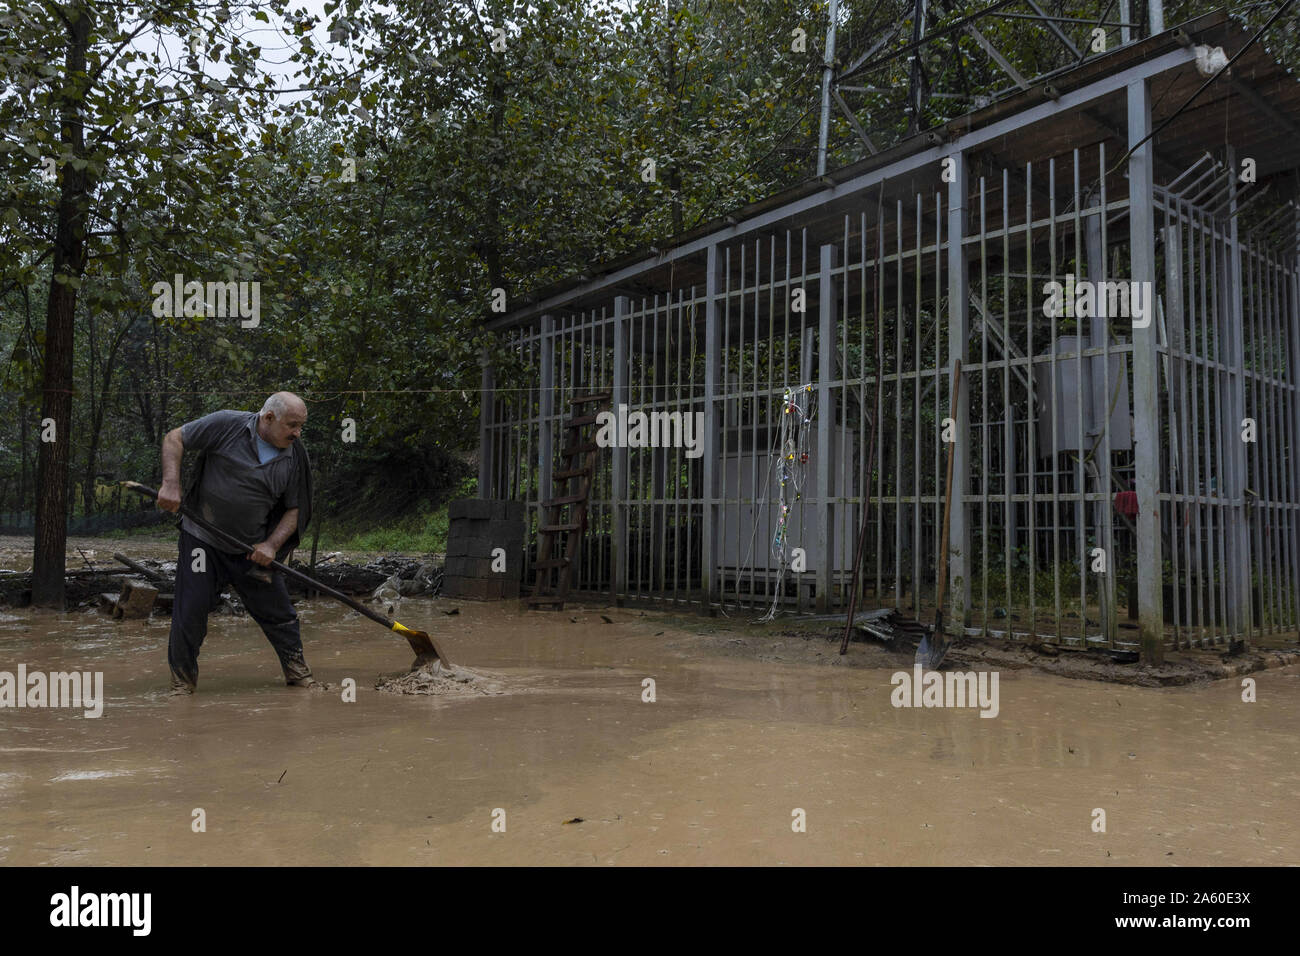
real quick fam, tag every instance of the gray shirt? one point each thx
(238, 490)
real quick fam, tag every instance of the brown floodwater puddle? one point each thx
(712, 772)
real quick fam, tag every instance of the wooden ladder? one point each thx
(578, 464)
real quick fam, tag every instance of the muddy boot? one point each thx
(310, 683)
(180, 688)
(298, 674)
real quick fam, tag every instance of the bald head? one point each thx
(282, 418)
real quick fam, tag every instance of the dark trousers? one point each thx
(197, 593)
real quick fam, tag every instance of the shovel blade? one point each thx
(426, 649)
(923, 652)
(934, 645)
(932, 650)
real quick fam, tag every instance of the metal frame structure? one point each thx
(938, 249)
(1032, 20)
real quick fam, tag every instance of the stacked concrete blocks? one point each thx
(477, 528)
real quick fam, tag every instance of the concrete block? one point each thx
(468, 566)
(477, 508)
(476, 589)
(136, 599)
(513, 512)
(470, 545)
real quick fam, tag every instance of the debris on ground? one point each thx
(408, 580)
(398, 577)
(885, 625)
(438, 681)
(388, 594)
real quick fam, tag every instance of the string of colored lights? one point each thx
(794, 440)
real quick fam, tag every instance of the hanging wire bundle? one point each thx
(791, 450)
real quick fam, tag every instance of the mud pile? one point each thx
(435, 680)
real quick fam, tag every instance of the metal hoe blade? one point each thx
(426, 649)
(932, 650)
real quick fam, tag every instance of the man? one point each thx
(252, 480)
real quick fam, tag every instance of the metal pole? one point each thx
(1156, 8)
(1179, 464)
(1291, 317)
(827, 295)
(1100, 389)
(618, 483)
(709, 492)
(1146, 396)
(661, 399)
(958, 336)
(485, 400)
(546, 415)
(1235, 477)
(828, 69)
(914, 74)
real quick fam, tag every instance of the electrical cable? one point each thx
(1282, 7)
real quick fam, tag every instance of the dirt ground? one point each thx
(748, 726)
(803, 640)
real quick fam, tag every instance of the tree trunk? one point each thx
(22, 445)
(99, 400)
(52, 457)
(88, 479)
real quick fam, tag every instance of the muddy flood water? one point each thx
(579, 768)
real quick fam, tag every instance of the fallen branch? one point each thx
(141, 569)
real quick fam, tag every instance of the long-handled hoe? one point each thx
(426, 650)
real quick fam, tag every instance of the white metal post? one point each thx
(485, 400)
(709, 492)
(1234, 409)
(1146, 403)
(618, 479)
(957, 611)
(828, 70)
(828, 298)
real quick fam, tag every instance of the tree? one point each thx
(146, 155)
